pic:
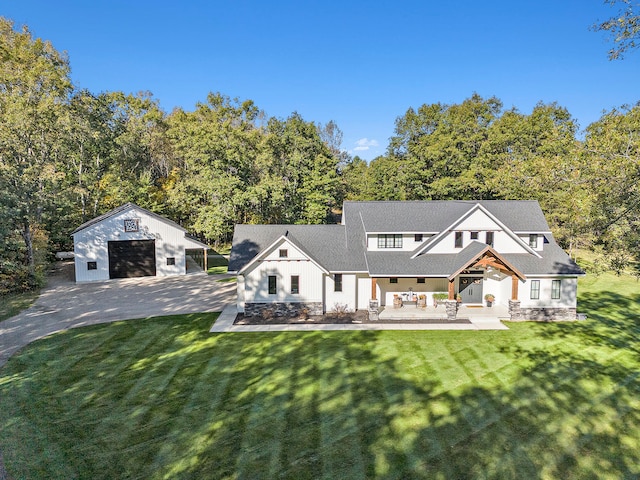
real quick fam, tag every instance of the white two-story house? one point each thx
(386, 250)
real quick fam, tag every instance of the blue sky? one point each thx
(361, 64)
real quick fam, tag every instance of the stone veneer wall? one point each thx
(282, 309)
(542, 314)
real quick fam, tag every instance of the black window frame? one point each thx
(283, 253)
(337, 282)
(390, 240)
(295, 284)
(92, 265)
(171, 260)
(534, 293)
(489, 235)
(475, 235)
(556, 287)
(458, 240)
(533, 240)
(272, 282)
(418, 237)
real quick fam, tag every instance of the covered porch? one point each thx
(415, 313)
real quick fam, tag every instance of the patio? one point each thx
(471, 312)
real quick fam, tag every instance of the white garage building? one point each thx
(130, 241)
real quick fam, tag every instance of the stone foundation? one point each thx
(540, 314)
(548, 314)
(282, 309)
(451, 307)
(373, 311)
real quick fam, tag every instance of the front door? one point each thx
(471, 289)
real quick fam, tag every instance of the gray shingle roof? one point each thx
(342, 248)
(327, 245)
(435, 216)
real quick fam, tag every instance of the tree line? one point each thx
(68, 155)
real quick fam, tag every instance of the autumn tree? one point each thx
(35, 88)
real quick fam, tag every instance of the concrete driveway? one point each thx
(63, 304)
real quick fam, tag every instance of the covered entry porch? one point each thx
(460, 293)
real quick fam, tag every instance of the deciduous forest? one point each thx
(68, 155)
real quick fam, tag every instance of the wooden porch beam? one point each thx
(452, 289)
(374, 283)
(514, 287)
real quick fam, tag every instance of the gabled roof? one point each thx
(477, 206)
(342, 248)
(123, 208)
(476, 252)
(326, 244)
(279, 241)
(437, 215)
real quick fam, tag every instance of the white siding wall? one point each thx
(90, 244)
(347, 296)
(364, 291)
(408, 242)
(257, 284)
(568, 289)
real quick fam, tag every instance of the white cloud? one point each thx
(365, 144)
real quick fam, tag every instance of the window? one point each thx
(131, 225)
(420, 280)
(393, 280)
(389, 240)
(474, 235)
(417, 237)
(458, 239)
(533, 240)
(535, 289)
(489, 239)
(92, 265)
(337, 282)
(555, 289)
(295, 284)
(273, 285)
(171, 260)
(283, 253)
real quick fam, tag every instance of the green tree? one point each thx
(623, 28)
(612, 154)
(35, 88)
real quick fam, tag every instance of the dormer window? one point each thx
(389, 240)
(533, 240)
(417, 237)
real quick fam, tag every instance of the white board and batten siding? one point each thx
(91, 244)
(255, 280)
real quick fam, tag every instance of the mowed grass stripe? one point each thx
(537, 401)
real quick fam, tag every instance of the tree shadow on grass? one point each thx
(187, 404)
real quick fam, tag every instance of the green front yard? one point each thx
(163, 398)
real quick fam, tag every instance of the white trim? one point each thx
(277, 243)
(436, 239)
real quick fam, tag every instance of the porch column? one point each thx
(374, 283)
(204, 250)
(452, 289)
(514, 287)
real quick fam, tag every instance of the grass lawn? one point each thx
(217, 264)
(13, 304)
(163, 398)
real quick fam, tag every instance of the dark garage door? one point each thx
(132, 258)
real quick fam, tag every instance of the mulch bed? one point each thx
(360, 316)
